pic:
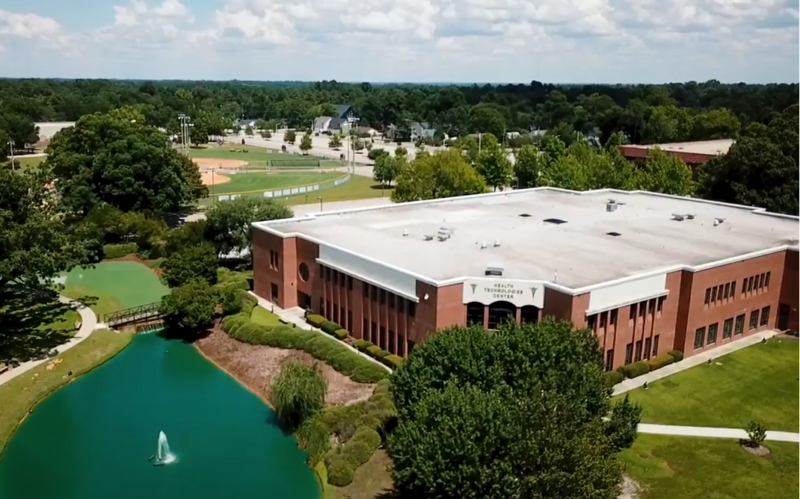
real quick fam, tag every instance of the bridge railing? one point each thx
(133, 314)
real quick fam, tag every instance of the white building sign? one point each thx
(488, 291)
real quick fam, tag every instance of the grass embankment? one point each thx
(669, 467)
(20, 394)
(245, 183)
(756, 383)
(111, 286)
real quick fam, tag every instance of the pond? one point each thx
(92, 439)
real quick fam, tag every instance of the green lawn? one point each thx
(26, 390)
(358, 187)
(26, 162)
(264, 317)
(112, 286)
(756, 383)
(254, 156)
(669, 467)
(259, 182)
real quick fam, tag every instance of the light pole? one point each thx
(319, 198)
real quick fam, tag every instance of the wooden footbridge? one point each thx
(142, 313)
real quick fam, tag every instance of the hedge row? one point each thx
(676, 354)
(661, 361)
(613, 377)
(338, 356)
(119, 250)
(315, 320)
(643, 367)
(384, 357)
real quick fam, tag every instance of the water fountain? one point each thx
(163, 455)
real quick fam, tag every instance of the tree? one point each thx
(520, 412)
(305, 143)
(19, 129)
(117, 159)
(439, 175)
(493, 164)
(485, 118)
(756, 433)
(387, 168)
(298, 393)
(667, 174)
(374, 154)
(527, 167)
(289, 137)
(198, 133)
(401, 151)
(228, 224)
(188, 308)
(192, 263)
(716, 124)
(358, 145)
(248, 130)
(187, 234)
(335, 142)
(265, 134)
(622, 426)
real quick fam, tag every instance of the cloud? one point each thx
(580, 40)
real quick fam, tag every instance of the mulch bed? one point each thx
(255, 365)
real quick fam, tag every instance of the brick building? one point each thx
(692, 153)
(646, 272)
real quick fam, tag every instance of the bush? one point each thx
(340, 470)
(375, 351)
(357, 451)
(314, 437)
(362, 345)
(341, 333)
(119, 250)
(330, 326)
(231, 300)
(193, 263)
(392, 360)
(368, 421)
(189, 308)
(367, 435)
(249, 302)
(297, 393)
(383, 386)
(315, 320)
(676, 354)
(661, 361)
(229, 278)
(756, 433)
(636, 369)
(613, 377)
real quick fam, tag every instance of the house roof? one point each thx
(320, 121)
(341, 109)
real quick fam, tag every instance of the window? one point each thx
(303, 271)
(708, 296)
(412, 310)
(612, 318)
(321, 309)
(655, 345)
(642, 308)
(365, 330)
(628, 353)
(712, 334)
(349, 325)
(335, 314)
(592, 321)
(638, 355)
(699, 336)
(382, 295)
(341, 279)
(651, 307)
(733, 289)
(365, 287)
(384, 340)
(744, 286)
(375, 338)
(713, 294)
(761, 281)
(392, 342)
(475, 313)
(603, 319)
(753, 319)
(766, 281)
(633, 311)
(609, 359)
(647, 348)
(391, 300)
(727, 290)
(529, 314)
(274, 292)
(720, 289)
(739, 324)
(750, 284)
(764, 316)
(342, 316)
(327, 308)
(660, 305)
(350, 283)
(401, 338)
(727, 329)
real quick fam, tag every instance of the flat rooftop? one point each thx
(577, 253)
(707, 147)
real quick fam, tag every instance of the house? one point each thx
(340, 123)
(421, 130)
(345, 112)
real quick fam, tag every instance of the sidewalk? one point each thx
(295, 316)
(694, 360)
(703, 431)
(88, 324)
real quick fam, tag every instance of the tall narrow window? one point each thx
(761, 281)
(764, 316)
(655, 345)
(603, 319)
(727, 329)
(609, 359)
(766, 281)
(612, 318)
(753, 319)
(637, 356)
(739, 324)
(733, 289)
(647, 348)
(714, 294)
(712, 334)
(699, 336)
(708, 296)
(720, 289)
(628, 353)
(660, 306)
(633, 311)
(727, 290)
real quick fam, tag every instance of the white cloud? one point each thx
(584, 40)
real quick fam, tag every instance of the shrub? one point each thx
(119, 250)
(192, 263)
(392, 360)
(298, 392)
(368, 421)
(249, 302)
(229, 278)
(367, 435)
(368, 373)
(756, 433)
(340, 470)
(314, 437)
(341, 333)
(189, 308)
(661, 361)
(383, 386)
(315, 320)
(358, 451)
(374, 351)
(330, 326)
(613, 377)
(636, 369)
(362, 345)
(231, 300)
(676, 354)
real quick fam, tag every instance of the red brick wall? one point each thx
(789, 288)
(263, 275)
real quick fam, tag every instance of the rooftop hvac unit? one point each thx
(611, 205)
(677, 217)
(428, 237)
(494, 271)
(690, 216)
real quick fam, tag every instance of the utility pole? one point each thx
(11, 149)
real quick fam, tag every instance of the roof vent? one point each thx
(554, 221)
(690, 216)
(428, 237)
(525, 215)
(611, 205)
(496, 243)
(677, 217)
(615, 234)
(405, 232)
(494, 271)
(718, 221)
(483, 245)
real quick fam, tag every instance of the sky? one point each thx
(459, 41)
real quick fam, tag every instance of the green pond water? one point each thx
(92, 439)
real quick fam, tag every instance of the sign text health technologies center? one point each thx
(647, 272)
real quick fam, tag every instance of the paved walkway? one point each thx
(694, 360)
(295, 316)
(703, 431)
(88, 324)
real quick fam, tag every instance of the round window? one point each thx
(304, 272)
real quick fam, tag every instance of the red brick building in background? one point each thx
(646, 272)
(692, 153)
